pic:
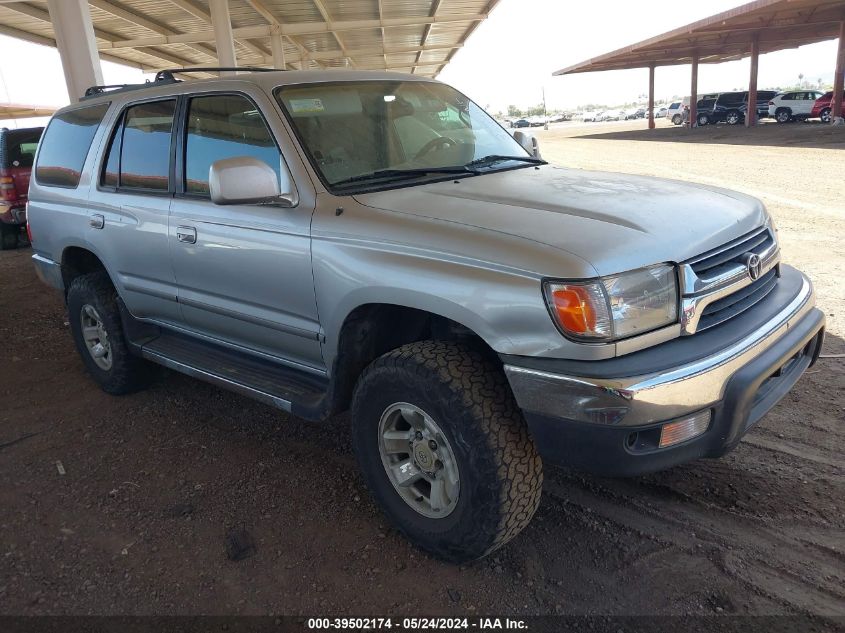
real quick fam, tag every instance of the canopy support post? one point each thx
(693, 98)
(224, 41)
(278, 49)
(751, 111)
(77, 45)
(651, 97)
(838, 79)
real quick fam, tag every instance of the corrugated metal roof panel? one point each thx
(171, 33)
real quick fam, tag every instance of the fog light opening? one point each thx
(632, 439)
(684, 429)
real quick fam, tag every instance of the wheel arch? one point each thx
(372, 329)
(77, 260)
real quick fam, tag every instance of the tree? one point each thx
(513, 111)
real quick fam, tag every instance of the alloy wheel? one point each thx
(418, 460)
(95, 336)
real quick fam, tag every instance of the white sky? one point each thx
(510, 57)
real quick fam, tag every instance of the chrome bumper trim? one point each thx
(649, 398)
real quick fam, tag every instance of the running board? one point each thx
(280, 386)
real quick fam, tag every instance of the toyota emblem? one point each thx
(754, 265)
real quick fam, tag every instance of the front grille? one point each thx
(716, 261)
(728, 307)
(722, 270)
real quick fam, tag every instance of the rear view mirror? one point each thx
(529, 142)
(247, 180)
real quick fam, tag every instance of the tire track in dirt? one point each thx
(788, 565)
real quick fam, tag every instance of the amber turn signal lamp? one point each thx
(574, 308)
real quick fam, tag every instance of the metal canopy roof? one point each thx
(416, 36)
(22, 111)
(778, 25)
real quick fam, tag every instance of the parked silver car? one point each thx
(332, 240)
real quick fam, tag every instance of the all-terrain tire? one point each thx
(128, 373)
(501, 473)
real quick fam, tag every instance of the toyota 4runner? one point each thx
(333, 240)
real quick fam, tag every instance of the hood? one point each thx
(616, 222)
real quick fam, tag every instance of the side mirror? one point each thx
(247, 180)
(529, 142)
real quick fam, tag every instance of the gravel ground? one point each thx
(122, 505)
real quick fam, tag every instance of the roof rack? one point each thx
(168, 76)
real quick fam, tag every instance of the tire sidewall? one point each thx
(783, 115)
(475, 518)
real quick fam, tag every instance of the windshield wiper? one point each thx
(386, 174)
(484, 161)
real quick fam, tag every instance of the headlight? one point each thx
(617, 306)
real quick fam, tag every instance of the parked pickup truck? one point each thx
(333, 240)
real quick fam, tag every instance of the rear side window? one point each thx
(17, 147)
(139, 153)
(65, 146)
(224, 126)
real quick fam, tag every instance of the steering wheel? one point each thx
(433, 143)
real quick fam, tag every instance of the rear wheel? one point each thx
(825, 115)
(783, 115)
(9, 236)
(733, 117)
(444, 449)
(94, 316)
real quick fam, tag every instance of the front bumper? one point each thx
(606, 416)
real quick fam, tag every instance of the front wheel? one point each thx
(703, 120)
(677, 119)
(825, 115)
(444, 449)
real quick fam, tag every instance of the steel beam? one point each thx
(299, 28)
(77, 45)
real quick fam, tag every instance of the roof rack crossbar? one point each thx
(169, 73)
(168, 76)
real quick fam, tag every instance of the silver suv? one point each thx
(333, 240)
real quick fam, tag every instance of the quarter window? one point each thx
(224, 126)
(65, 145)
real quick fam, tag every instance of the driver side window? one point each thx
(224, 126)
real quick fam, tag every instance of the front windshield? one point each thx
(357, 130)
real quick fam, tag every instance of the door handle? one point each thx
(96, 221)
(186, 234)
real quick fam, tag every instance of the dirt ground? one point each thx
(151, 483)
